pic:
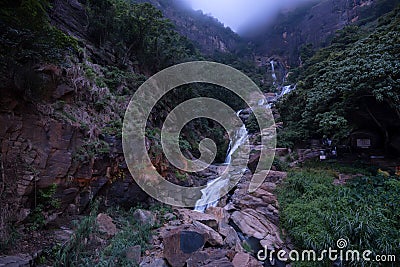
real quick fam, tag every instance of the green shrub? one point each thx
(365, 211)
(45, 200)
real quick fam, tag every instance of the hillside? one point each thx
(207, 33)
(350, 85)
(314, 24)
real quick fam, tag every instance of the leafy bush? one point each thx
(346, 85)
(365, 211)
(79, 252)
(45, 200)
(138, 32)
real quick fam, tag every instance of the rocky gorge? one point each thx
(68, 71)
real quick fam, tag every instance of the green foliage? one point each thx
(114, 128)
(27, 34)
(91, 149)
(31, 14)
(71, 253)
(160, 210)
(181, 176)
(355, 72)
(79, 252)
(306, 52)
(317, 213)
(280, 165)
(252, 125)
(9, 238)
(246, 246)
(138, 32)
(45, 200)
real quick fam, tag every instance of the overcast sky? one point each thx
(242, 14)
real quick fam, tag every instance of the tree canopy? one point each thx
(356, 76)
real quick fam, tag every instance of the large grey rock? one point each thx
(181, 242)
(106, 225)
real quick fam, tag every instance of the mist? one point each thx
(244, 16)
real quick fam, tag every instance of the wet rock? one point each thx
(253, 160)
(213, 238)
(144, 217)
(181, 242)
(106, 225)
(191, 241)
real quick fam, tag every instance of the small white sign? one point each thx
(364, 143)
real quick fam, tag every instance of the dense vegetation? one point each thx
(365, 211)
(137, 32)
(26, 39)
(346, 85)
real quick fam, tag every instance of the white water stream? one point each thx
(211, 193)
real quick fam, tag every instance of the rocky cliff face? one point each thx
(207, 33)
(59, 124)
(315, 23)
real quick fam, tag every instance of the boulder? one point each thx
(245, 260)
(189, 216)
(232, 239)
(106, 225)
(210, 257)
(249, 225)
(181, 242)
(241, 259)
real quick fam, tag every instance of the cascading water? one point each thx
(213, 189)
(286, 90)
(273, 70)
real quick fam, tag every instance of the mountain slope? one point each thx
(208, 34)
(315, 24)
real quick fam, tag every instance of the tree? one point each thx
(347, 84)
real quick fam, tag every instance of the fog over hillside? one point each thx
(244, 15)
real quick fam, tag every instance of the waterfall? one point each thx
(286, 90)
(273, 70)
(213, 189)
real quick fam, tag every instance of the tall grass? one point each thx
(366, 212)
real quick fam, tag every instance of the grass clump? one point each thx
(88, 248)
(365, 212)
